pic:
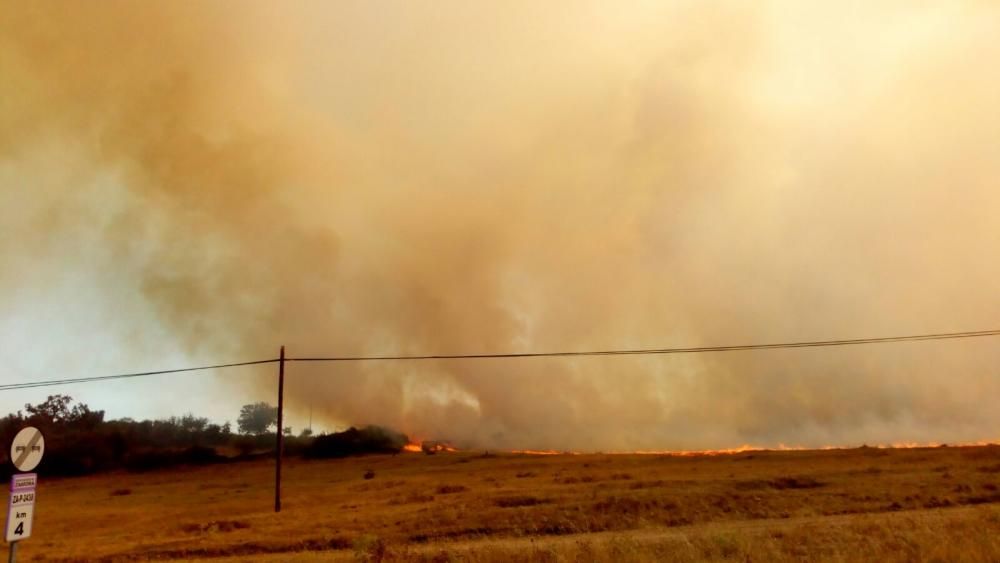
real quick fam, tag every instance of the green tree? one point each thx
(257, 418)
(55, 409)
(192, 423)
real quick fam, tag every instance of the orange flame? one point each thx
(432, 447)
(429, 447)
(748, 448)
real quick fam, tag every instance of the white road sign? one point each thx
(27, 449)
(21, 509)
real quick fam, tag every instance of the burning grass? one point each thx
(470, 507)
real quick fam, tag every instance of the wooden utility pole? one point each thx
(280, 441)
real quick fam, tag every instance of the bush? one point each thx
(354, 441)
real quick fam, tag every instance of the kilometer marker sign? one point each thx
(21, 510)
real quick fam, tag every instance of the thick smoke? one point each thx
(418, 178)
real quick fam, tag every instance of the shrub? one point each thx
(355, 441)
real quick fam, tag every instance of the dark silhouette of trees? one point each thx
(257, 418)
(56, 410)
(79, 440)
(357, 441)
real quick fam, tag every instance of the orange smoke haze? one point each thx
(438, 178)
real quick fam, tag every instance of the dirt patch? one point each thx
(215, 526)
(462, 533)
(375, 486)
(516, 501)
(412, 498)
(638, 485)
(780, 483)
(238, 550)
(451, 489)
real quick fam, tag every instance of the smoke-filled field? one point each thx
(504, 225)
(938, 504)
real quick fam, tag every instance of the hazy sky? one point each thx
(187, 183)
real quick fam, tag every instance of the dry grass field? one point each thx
(932, 504)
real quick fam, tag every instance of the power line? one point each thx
(652, 351)
(644, 351)
(30, 384)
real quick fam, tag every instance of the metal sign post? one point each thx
(25, 453)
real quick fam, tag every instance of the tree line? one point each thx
(78, 440)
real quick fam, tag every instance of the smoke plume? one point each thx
(410, 178)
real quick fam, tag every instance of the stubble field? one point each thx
(933, 504)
